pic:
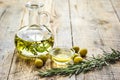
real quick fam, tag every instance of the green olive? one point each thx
(83, 52)
(38, 63)
(76, 48)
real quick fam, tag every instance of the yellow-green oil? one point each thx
(32, 49)
(33, 42)
(62, 55)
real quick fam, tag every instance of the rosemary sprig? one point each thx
(95, 63)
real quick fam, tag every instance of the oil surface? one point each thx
(33, 42)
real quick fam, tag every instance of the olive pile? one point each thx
(79, 54)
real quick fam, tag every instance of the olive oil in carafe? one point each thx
(34, 43)
(34, 39)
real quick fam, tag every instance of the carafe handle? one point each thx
(44, 21)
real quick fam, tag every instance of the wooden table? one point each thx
(91, 24)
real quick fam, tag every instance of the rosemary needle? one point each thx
(95, 63)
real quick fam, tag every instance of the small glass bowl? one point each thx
(62, 55)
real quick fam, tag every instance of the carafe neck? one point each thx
(34, 9)
(33, 17)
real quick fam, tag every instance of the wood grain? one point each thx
(61, 23)
(91, 24)
(8, 26)
(95, 26)
(114, 42)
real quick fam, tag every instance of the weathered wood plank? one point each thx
(84, 33)
(110, 33)
(95, 26)
(61, 25)
(7, 30)
(116, 7)
(115, 37)
(114, 42)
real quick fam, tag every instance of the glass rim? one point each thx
(63, 48)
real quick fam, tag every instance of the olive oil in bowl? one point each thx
(62, 55)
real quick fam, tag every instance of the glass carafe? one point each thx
(34, 39)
